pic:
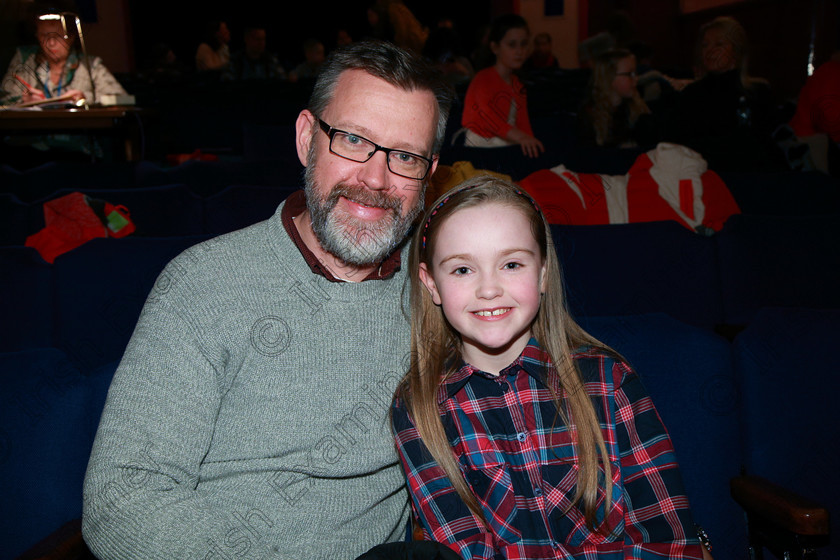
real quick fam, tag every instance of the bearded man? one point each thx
(248, 416)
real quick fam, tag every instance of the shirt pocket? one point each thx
(487, 474)
(560, 477)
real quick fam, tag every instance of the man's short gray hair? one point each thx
(396, 66)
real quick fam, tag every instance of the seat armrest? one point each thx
(65, 543)
(779, 506)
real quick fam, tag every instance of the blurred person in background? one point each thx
(213, 53)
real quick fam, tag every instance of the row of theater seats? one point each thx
(752, 405)
(204, 178)
(95, 291)
(164, 211)
(68, 323)
(274, 162)
(754, 262)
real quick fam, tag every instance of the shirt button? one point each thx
(538, 491)
(520, 436)
(555, 544)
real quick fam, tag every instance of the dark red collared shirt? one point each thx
(295, 205)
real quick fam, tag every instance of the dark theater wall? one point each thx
(779, 30)
(287, 24)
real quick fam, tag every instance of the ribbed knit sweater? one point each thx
(248, 417)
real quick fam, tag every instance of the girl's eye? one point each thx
(461, 270)
(512, 265)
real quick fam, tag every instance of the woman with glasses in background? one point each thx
(55, 67)
(614, 114)
(54, 70)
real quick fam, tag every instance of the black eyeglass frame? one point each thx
(331, 132)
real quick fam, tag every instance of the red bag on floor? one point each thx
(71, 221)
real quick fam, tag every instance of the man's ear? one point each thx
(303, 134)
(429, 282)
(435, 160)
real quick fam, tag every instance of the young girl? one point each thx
(520, 434)
(495, 107)
(614, 114)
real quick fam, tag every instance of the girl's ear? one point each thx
(429, 282)
(543, 277)
(494, 47)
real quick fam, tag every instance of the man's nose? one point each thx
(374, 173)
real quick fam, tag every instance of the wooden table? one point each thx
(123, 122)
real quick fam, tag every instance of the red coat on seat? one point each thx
(670, 182)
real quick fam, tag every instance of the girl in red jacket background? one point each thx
(496, 108)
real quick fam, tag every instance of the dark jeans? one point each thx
(415, 550)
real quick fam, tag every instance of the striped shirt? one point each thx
(518, 458)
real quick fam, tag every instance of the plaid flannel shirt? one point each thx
(519, 460)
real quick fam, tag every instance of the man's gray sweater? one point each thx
(248, 417)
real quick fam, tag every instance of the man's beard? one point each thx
(354, 241)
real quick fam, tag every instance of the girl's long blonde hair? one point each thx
(599, 102)
(436, 348)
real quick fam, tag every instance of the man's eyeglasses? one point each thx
(356, 148)
(628, 74)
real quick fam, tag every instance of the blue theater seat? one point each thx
(264, 142)
(239, 206)
(768, 261)
(18, 220)
(688, 373)
(101, 288)
(162, 211)
(508, 160)
(47, 425)
(10, 178)
(632, 269)
(42, 181)
(786, 361)
(792, 193)
(26, 300)
(605, 161)
(207, 178)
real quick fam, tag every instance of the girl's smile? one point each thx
(492, 314)
(487, 273)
